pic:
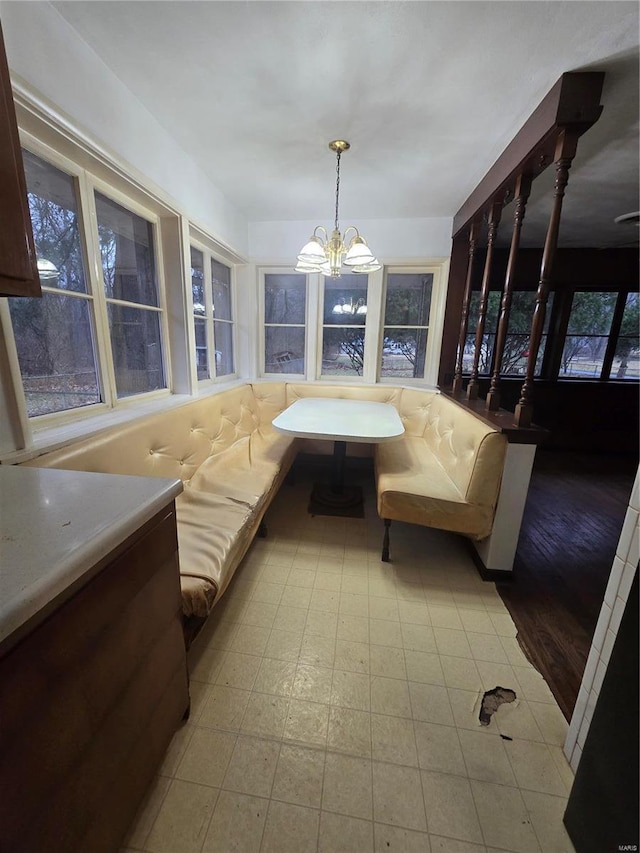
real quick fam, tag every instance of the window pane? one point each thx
(197, 281)
(587, 334)
(345, 300)
(223, 338)
(221, 282)
(202, 357)
(137, 352)
(342, 352)
(55, 351)
(626, 361)
(285, 298)
(284, 349)
(488, 340)
(516, 348)
(403, 352)
(408, 299)
(54, 216)
(126, 246)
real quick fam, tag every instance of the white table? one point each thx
(340, 421)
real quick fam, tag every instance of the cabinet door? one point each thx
(18, 269)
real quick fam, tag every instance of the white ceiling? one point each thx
(428, 94)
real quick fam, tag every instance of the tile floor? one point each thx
(335, 706)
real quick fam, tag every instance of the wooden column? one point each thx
(565, 152)
(494, 221)
(523, 188)
(474, 233)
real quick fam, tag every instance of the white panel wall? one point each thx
(389, 239)
(49, 56)
(625, 565)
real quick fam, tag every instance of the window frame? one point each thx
(309, 279)
(373, 288)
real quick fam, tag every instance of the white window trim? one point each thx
(262, 325)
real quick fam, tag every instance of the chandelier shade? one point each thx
(326, 254)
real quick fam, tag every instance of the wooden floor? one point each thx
(572, 522)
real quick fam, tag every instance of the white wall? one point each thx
(389, 239)
(49, 56)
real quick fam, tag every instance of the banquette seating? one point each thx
(444, 472)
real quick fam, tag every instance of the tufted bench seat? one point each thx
(444, 472)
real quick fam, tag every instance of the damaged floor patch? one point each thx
(492, 700)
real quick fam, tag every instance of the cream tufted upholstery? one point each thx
(445, 472)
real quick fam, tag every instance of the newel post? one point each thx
(522, 191)
(565, 152)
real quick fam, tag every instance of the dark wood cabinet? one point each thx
(18, 263)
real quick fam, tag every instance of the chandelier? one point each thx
(326, 254)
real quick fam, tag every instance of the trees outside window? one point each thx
(343, 325)
(587, 335)
(626, 358)
(406, 324)
(285, 312)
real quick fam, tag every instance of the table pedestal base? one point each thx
(325, 501)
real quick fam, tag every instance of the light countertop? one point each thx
(55, 525)
(340, 420)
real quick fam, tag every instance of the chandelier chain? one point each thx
(337, 187)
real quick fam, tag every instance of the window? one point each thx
(285, 310)
(587, 335)
(343, 326)
(131, 291)
(212, 315)
(222, 318)
(626, 357)
(55, 335)
(406, 324)
(199, 314)
(516, 349)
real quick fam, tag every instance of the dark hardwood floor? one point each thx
(572, 522)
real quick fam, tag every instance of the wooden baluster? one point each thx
(474, 233)
(494, 221)
(564, 154)
(523, 189)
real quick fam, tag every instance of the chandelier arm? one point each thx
(347, 229)
(321, 228)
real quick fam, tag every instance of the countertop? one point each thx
(55, 525)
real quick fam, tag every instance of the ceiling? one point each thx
(428, 94)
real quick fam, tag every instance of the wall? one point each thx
(48, 55)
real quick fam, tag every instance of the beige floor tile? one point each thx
(351, 690)
(383, 632)
(503, 623)
(381, 587)
(354, 629)
(551, 722)
(390, 696)
(445, 617)
(534, 767)
(250, 640)
(326, 600)
(452, 642)
(564, 768)
(252, 766)
(183, 819)
(384, 608)
(275, 574)
(268, 592)
(476, 621)
(546, 813)
(395, 839)
(340, 834)
(486, 758)
(198, 693)
(265, 715)
(419, 638)
(239, 671)
(460, 673)
(450, 807)
(349, 731)
(329, 581)
(259, 613)
(147, 813)
(393, 740)
(206, 757)
(224, 708)
(423, 667)
(499, 675)
(504, 818)
(468, 600)
(533, 687)
(290, 829)
(453, 845)
(353, 604)
(321, 623)
(303, 575)
(351, 656)
(358, 584)
(299, 776)
(438, 594)
(487, 647)
(515, 720)
(397, 796)
(430, 703)
(205, 663)
(413, 592)
(237, 824)
(280, 557)
(317, 651)
(312, 683)
(296, 596)
(275, 676)
(439, 748)
(290, 618)
(414, 612)
(387, 661)
(347, 786)
(307, 722)
(465, 705)
(284, 645)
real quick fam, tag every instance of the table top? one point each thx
(55, 525)
(340, 420)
